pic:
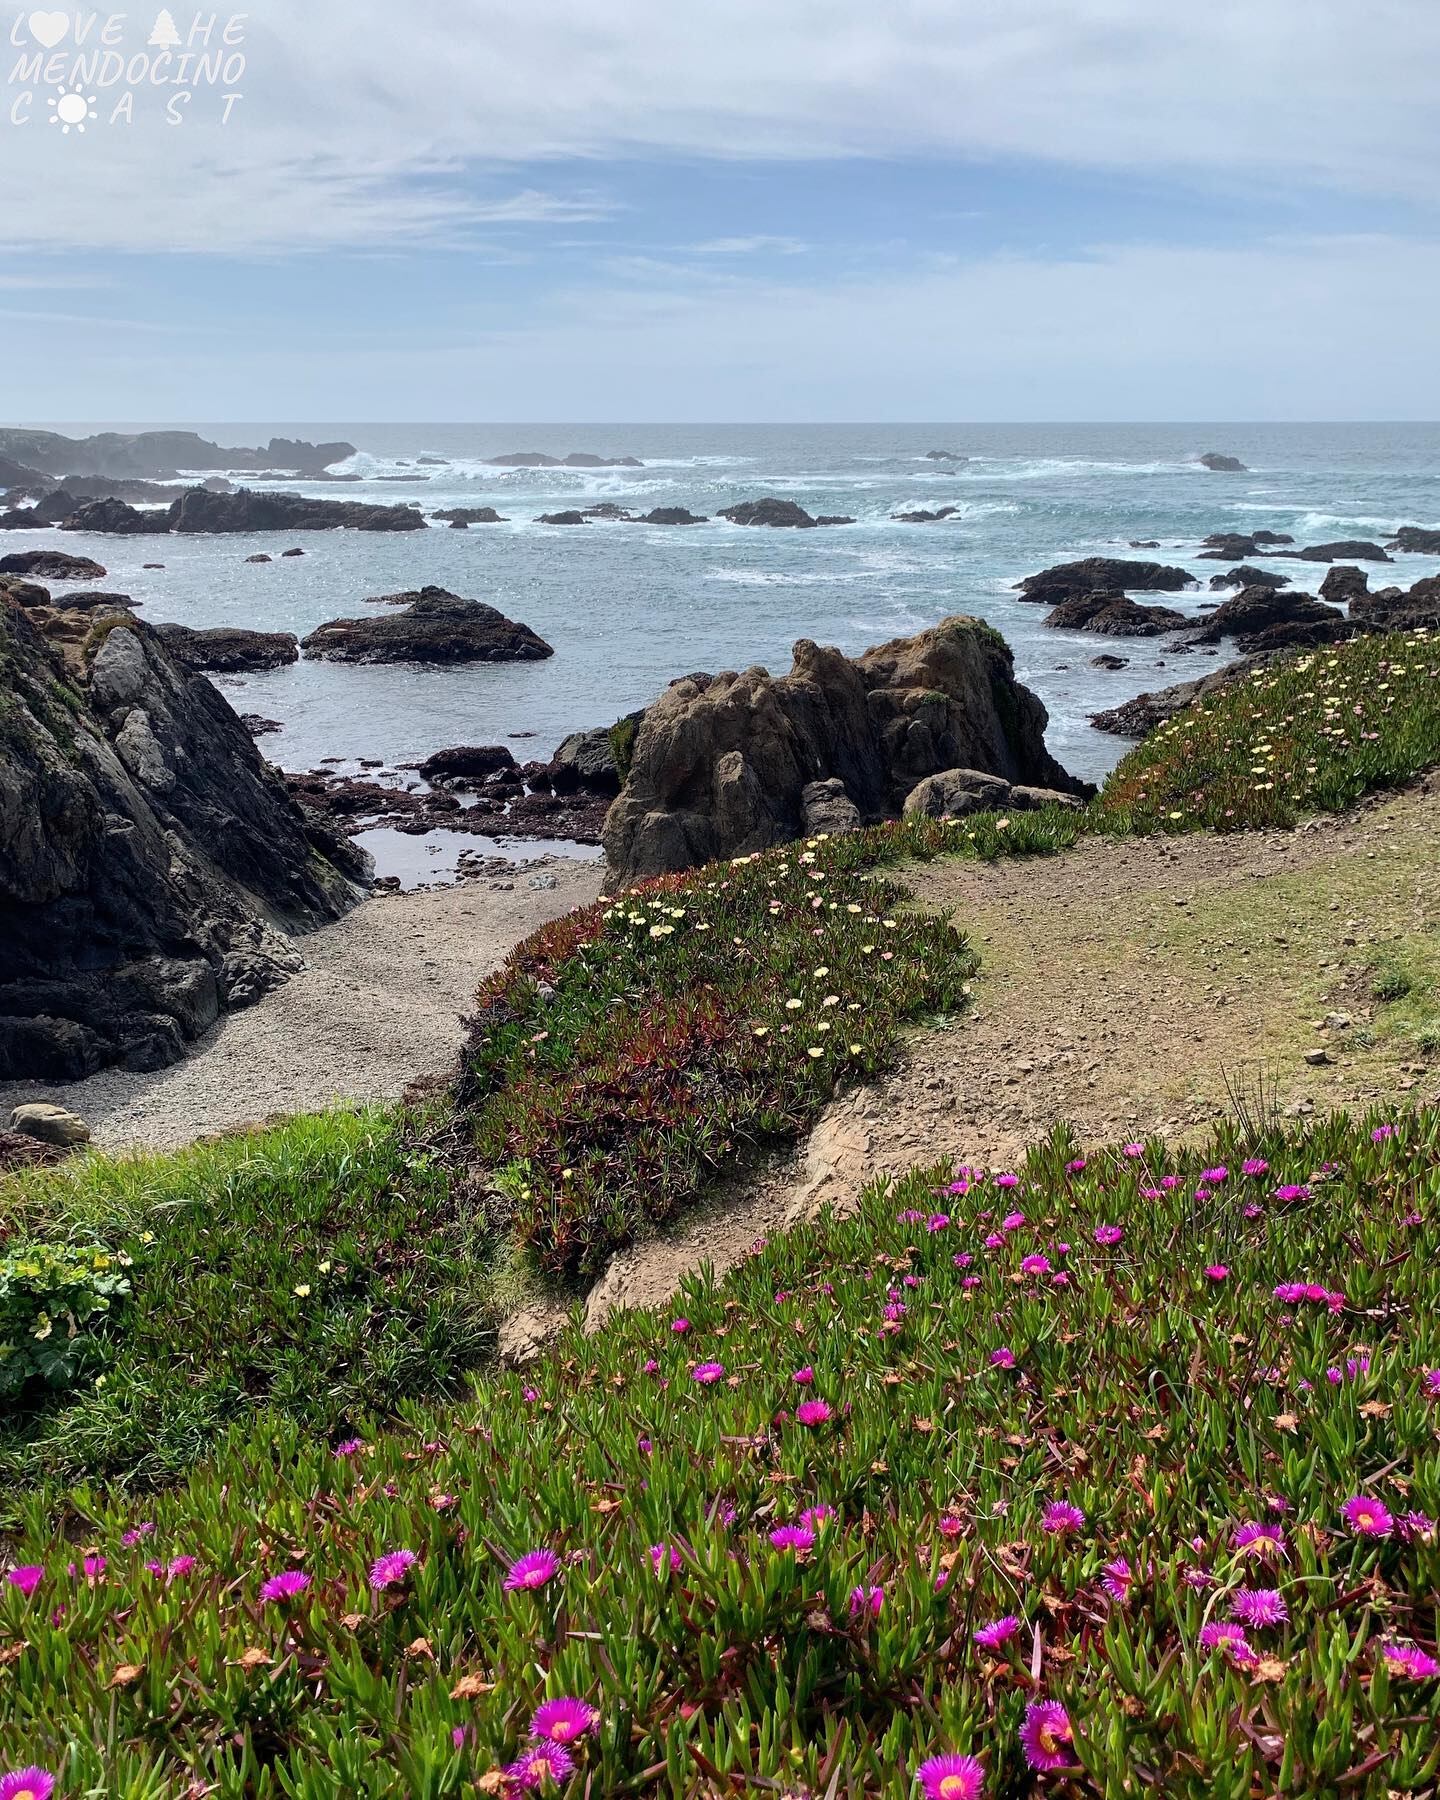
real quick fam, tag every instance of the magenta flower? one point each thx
(350, 1447)
(1003, 1358)
(992, 1636)
(1012, 1221)
(1367, 1518)
(951, 1778)
(1222, 1634)
(27, 1784)
(1432, 1383)
(1046, 1735)
(1133, 1150)
(814, 1517)
(132, 1537)
(533, 1570)
(1108, 1234)
(1216, 1272)
(1061, 1517)
(1409, 1662)
(707, 1373)
(792, 1537)
(1255, 1165)
(1259, 1606)
(182, 1565)
(813, 1412)
(390, 1570)
(287, 1585)
(1117, 1580)
(563, 1721)
(546, 1765)
(93, 1568)
(1256, 1538)
(663, 1556)
(1035, 1265)
(27, 1577)
(679, 1326)
(1215, 1176)
(804, 1377)
(866, 1601)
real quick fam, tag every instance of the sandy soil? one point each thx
(379, 1005)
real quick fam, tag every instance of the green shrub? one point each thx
(54, 1299)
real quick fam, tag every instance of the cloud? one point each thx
(750, 246)
(366, 122)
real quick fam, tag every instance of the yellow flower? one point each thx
(815, 1050)
(302, 1292)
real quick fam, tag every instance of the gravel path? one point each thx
(380, 1004)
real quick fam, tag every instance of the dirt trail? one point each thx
(1122, 985)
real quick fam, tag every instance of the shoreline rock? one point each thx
(228, 649)
(1114, 615)
(1101, 575)
(435, 626)
(1220, 464)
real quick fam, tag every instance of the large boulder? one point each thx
(1416, 539)
(1221, 465)
(1101, 575)
(825, 807)
(722, 767)
(228, 649)
(957, 793)
(1114, 615)
(435, 627)
(117, 518)
(586, 759)
(768, 511)
(1393, 610)
(570, 517)
(467, 762)
(1343, 581)
(52, 565)
(1353, 549)
(1244, 576)
(469, 515)
(154, 865)
(920, 516)
(1265, 618)
(673, 515)
(248, 509)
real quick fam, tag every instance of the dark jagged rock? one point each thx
(1222, 465)
(950, 456)
(577, 459)
(94, 600)
(768, 511)
(258, 726)
(1245, 576)
(1144, 543)
(153, 862)
(228, 649)
(1415, 539)
(15, 474)
(1137, 718)
(562, 518)
(1114, 615)
(468, 762)
(1107, 661)
(1393, 610)
(721, 769)
(921, 517)
(1101, 575)
(1343, 581)
(435, 627)
(294, 551)
(585, 759)
(259, 557)
(252, 510)
(468, 515)
(160, 453)
(1264, 618)
(835, 519)
(51, 565)
(51, 508)
(673, 515)
(1352, 549)
(1272, 537)
(1227, 546)
(116, 517)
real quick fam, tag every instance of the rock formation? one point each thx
(1101, 575)
(1222, 465)
(1114, 615)
(769, 511)
(1343, 581)
(153, 863)
(1265, 618)
(228, 649)
(1416, 539)
(52, 565)
(435, 626)
(672, 515)
(577, 459)
(468, 515)
(160, 453)
(721, 765)
(1244, 576)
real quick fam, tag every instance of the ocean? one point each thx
(628, 607)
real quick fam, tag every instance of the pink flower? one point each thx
(1117, 1580)
(951, 1778)
(350, 1447)
(27, 1784)
(679, 1326)
(1003, 1358)
(533, 1570)
(27, 1577)
(1035, 1265)
(663, 1556)
(93, 1568)
(287, 1585)
(1254, 1165)
(1367, 1518)
(792, 1537)
(1216, 1272)
(1432, 1383)
(992, 1636)
(1258, 1539)
(707, 1373)
(1046, 1735)
(1409, 1662)
(813, 1412)
(804, 1377)
(1060, 1517)
(391, 1569)
(1133, 1150)
(1259, 1606)
(132, 1537)
(1220, 1634)
(1108, 1234)
(564, 1720)
(546, 1765)
(866, 1601)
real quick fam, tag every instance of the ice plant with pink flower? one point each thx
(532, 1570)
(951, 1777)
(1046, 1736)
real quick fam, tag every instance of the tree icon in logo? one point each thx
(164, 36)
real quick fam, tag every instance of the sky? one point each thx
(455, 210)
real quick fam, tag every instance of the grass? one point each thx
(320, 1269)
(1231, 1453)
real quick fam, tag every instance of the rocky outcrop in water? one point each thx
(435, 626)
(1351, 549)
(153, 865)
(117, 518)
(769, 511)
(1114, 615)
(228, 649)
(720, 765)
(577, 459)
(921, 517)
(1394, 610)
(1343, 581)
(1101, 575)
(160, 453)
(1416, 539)
(251, 510)
(673, 515)
(562, 518)
(468, 515)
(1245, 576)
(52, 565)
(1137, 718)
(1264, 618)
(1221, 465)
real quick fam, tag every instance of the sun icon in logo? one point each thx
(70, 108)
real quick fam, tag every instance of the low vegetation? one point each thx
(1119, 1470)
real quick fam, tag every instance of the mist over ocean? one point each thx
(629, 606)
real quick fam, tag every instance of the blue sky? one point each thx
(820, 209)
